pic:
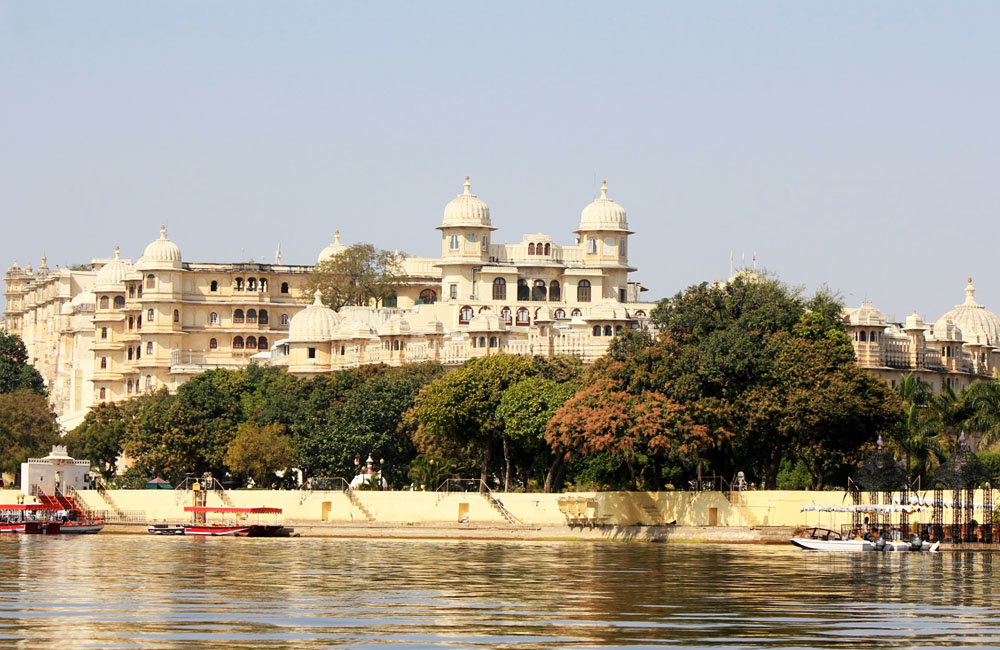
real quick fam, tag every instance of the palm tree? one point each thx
(918, 440)
(983, 400)
(953, 409)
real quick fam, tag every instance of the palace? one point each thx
(959, 348)
(119, 329)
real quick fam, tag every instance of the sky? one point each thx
(851, 145)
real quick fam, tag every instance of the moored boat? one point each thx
(237, 525)
(824, 539)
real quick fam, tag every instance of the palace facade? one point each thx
(119, 329)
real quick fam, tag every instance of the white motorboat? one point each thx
(824, 539)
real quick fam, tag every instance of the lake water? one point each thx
(123, 591)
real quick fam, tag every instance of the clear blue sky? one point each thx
(852, 144)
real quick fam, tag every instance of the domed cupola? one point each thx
(333, 250)
(466, 210)
(111, 277)
(161, 253)
(978, 325)
(317, 322)
(604, 214)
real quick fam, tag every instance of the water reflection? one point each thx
(131, 591)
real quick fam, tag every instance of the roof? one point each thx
(230, 509)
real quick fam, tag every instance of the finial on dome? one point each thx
(163, 232)
(44, 262)
(970, 293)
(318, 298)
(468, 185)
(336, 236)
(604, 189)
(118, 253)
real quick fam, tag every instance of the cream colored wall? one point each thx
(755, 508)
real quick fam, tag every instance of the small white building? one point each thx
(56, 471)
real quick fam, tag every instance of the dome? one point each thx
(466, 209)
(83, 299)
(112, 275)
(867, 314)
(159, 252)
(317, 322)
(603, 214)
(978, 325)
(334, 249)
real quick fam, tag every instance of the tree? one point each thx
(360, 275)
(917, 438)
(429, 472)
(27, 428)
(100, 438)
(456, 416)
(983, 401)
(15, 371)
(258, 451)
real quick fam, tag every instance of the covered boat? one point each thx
(237, 522)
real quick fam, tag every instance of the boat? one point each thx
(237, 525)
(44, 519)
(166, 529)
(824, 539)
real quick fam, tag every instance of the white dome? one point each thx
(603, 214)
(867, 314)
(334, 249)
(978, 325)
(112, 275)
(159, 252)
(317, 322)
(84, 299)
(466, 209)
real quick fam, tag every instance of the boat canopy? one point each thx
(255, 511)
(864, 507)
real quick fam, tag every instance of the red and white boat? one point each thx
(237, 523)
(43, 519)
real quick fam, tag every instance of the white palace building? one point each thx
(119, 329)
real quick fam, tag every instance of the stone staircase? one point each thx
(740, 505)
(497, 505)
(356, 502)
(102, 491)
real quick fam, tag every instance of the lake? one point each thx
(127, 591)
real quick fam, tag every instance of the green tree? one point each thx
(259, 452)
(27, 429)
(429, 472)
(360, 275)
(983, 401)
(917, 439)
(100, 438)
(15, 372)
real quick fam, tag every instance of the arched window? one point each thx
(864, 336)
(465, 315)
(251, 284)
(395, 346)
(621, 247)
(493, 342)
(284, 287)
(531, 248)
(607, 330)
(427, 297)
(213, 319)
(560, 314)
(150, 314)
(262, 317)
(482, 341)
(262, 343)
(215, 285)
(130, 385)
(583, 291)
(238, 316)
(138, 352)
(522, 316)
(505, 315)
(119, 302)
(104, 302)
(873, 337)
(131, 291)
(343, 350)
(238, 284)
(149, 382)
(522, 290)
(263, 285)
(284, 319)
(104, 332)
(499, 289)
(149, 347)
(130, 354)
(538, 248)
(538, 291)
(213, 344)
(640, 314)
(104, 393)
(104, 363)
(139, 291)
(252, 316)
(150, 281)
(251, 343)
(597, 330)
(576, 312)
(618, 329)
(138, 322)
(177, 316)
(592, 246)
(547, 249)
(555, 291)
(237, 342)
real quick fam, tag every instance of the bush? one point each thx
(793, 475)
